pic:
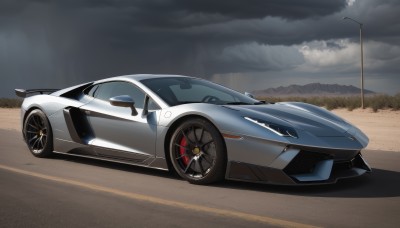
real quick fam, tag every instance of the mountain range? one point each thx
(312, 89)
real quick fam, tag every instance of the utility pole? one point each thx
(362, 59)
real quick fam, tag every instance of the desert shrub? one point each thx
(396, 102)
(10, 103)
(352, 103)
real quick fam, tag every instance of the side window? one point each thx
(105, 91)
(112, 89)
(152, 105)
(91, 91)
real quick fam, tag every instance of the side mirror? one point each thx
(249, 94)
(124, 101)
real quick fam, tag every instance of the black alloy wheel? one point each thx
(197, 152)
(38, 134)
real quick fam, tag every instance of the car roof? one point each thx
(139, 77)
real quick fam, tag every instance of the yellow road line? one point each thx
(155, 200)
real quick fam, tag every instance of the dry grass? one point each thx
(10, 102)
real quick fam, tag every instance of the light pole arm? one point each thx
(348, 18)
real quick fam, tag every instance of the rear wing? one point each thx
(23, 93)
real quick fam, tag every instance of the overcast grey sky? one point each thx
(244, 44)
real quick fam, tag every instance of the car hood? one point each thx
(301, 116)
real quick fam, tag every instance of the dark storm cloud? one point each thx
(174, 13)
(260, 8)
(183, 13)
(59, 43)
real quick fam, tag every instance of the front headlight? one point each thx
(276, 128)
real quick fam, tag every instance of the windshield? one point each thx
(183, 90)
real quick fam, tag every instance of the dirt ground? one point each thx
(382, 128)
(10, 119)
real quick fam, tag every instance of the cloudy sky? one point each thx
(243, 44)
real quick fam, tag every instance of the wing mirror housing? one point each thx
(124, 101)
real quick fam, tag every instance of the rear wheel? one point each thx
(38, 134)
(197, 152)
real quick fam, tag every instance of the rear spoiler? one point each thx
(23, 93)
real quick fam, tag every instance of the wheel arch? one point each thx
(29, 111)
(26, 114)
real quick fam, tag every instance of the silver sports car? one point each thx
(201, 130)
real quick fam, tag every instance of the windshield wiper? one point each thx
(188, 102)
(244, 103)
(237, 103)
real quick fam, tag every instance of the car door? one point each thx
(117, 134)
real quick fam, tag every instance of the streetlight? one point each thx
(362, 60)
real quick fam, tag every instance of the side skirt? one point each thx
(157, 163)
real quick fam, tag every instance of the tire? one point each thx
(197, 152)
(38, 134)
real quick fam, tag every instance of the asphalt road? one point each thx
(75, 192)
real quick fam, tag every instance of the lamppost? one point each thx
(362, 60)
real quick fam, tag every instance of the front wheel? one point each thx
(38, 134)
(197, 152)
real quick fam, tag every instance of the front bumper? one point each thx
(302, 167)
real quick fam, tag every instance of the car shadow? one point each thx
(380, 183)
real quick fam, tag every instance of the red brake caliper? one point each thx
(182, 151)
